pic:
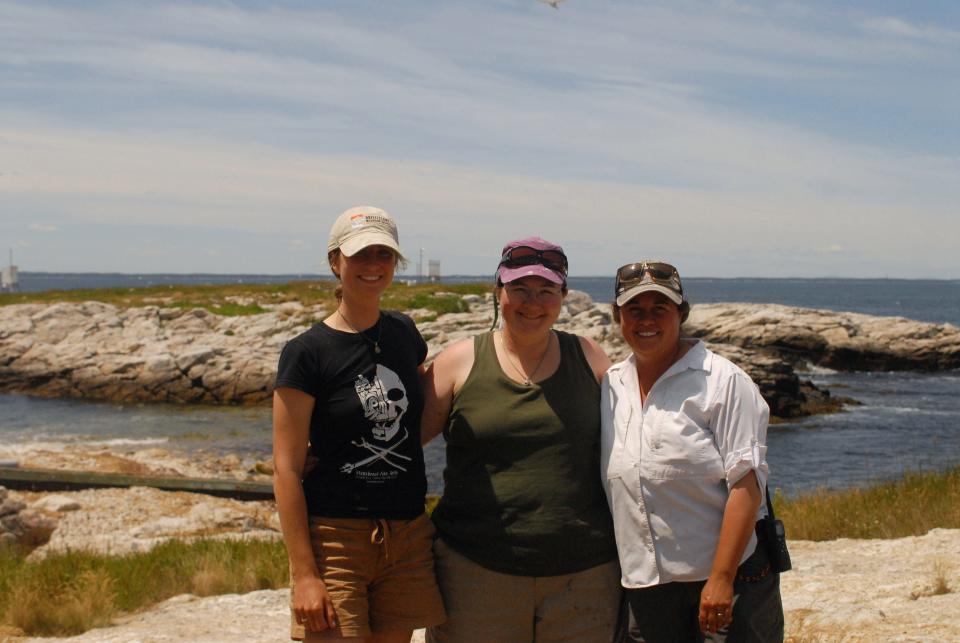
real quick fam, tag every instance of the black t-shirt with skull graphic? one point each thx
(365, 427)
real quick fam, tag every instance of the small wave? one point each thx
(72, 442)
(902, 409)
(812, 369)
(907, 410)
(30, 447)
(873, 408)
(119, 442)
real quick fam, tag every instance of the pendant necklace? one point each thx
(375, 344)
(527, 379)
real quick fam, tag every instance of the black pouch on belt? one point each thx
(771, 533)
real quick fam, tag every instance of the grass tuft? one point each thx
(911, 506)
(938, 584)
(805, 632)
(69, 593)
(54, 601)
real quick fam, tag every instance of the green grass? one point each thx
(911, 506)
(435, 298)
(221, 299)
(69, 593)
(227, 309)
(215, 298)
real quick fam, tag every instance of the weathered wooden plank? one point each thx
(60, 480)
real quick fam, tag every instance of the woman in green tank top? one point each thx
(526, 549)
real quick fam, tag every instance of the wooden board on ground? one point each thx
(59, 480)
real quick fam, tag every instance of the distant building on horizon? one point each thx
(9, 277)
(433, 267)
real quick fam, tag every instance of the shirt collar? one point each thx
(697, 358)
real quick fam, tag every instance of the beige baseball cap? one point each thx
(363, 226)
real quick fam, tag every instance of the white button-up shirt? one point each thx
(668, 464)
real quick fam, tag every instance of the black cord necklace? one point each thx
(375, 344)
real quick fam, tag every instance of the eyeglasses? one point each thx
(526, 256)
(525, 293)
(659, 273)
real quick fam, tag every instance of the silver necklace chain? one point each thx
(527, 379)
(374, 343)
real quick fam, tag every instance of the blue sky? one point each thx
(732, 138)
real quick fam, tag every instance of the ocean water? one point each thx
(906, 421)
(929, 300)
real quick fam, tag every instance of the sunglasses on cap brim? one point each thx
(520, 256)
(648, 271)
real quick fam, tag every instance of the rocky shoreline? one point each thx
(98, 351)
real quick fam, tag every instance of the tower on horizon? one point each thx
(9, 279)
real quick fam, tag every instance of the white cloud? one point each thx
(898, 27)
(43, 227)
(235, 186)
(699, 128)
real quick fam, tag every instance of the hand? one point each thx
(716, 604)
(312, 606)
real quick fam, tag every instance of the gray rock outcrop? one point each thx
(838, 340)
(20, 527)
(122, 521)
(98, 351)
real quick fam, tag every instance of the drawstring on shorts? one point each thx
(381, 536)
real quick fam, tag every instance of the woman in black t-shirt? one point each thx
(348, 393)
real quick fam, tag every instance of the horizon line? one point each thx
(404, 276)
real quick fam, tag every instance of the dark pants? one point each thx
(669, 613)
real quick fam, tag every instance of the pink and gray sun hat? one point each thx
(532, 257)
(364, 226)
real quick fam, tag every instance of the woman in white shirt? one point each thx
(682, 459)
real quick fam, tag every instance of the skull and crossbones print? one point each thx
(384, 401)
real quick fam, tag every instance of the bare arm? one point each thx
(291, 433)
(442, 380)
(596, 357)
(739, 518)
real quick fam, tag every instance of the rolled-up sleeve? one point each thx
(740, 424)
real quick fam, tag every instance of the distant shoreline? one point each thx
(929, 300)
(453, 278)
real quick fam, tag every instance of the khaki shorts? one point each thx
(378, 573)
(484, 605)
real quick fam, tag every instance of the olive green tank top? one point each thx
(522, 492)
